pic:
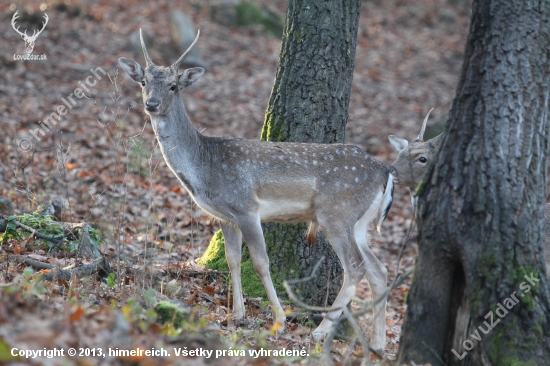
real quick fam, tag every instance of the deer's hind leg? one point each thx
(340, 236)
(377, 276)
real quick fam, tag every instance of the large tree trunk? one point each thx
(309, 103)
(481, 230)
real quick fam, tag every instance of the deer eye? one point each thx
(173, 87)
(143, 83)
(422, 160)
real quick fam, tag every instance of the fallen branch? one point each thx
(37, 264)
(100, 266)
(31, 262)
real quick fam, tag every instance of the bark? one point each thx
(481, 215)
(309, 103)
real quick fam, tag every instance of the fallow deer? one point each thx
(413, 161)
(336, 187)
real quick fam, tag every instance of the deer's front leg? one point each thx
(254, 238)
(233, 244)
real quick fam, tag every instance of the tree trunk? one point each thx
(480, 294)
(309, 103)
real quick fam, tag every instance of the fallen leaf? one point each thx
(77, 314)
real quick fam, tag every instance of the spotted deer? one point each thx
(336, 187)
(413, 161)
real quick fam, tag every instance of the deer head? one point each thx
(414, 158)
(29, 40)
(160, 85)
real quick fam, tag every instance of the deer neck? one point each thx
(181, 145)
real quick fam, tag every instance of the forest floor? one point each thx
(103, 163)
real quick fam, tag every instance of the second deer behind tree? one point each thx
(413, 161)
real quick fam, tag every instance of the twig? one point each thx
(349, 352)
(203, 273)
(366, 308)
(369, 306)
(292, 295)
(359, 332)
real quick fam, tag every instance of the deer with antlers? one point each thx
(336, 187)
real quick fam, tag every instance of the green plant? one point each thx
(169, 313)
(111, 282)
(44, 224)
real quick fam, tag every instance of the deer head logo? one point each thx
(29, 40)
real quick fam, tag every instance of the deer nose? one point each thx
(392, 169)
(152, 104)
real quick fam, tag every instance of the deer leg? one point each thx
(377, 276)
(352, 263)
(254, 238)
(233, 244)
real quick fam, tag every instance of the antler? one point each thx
(15, 16)
(421, 134)
(35, 34)
(147, 58)
(177, 63)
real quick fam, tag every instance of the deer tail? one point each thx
(387, 200)
(311, 236)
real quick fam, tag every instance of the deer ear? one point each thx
(189, 76)
(398, 143)
(132, 68)
(437, 141)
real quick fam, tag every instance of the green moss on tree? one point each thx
(501, 349)
(214, 257)
(527, 298)
(273, 128)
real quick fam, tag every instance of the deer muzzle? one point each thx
(152, 104)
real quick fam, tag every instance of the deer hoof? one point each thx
(318, 335)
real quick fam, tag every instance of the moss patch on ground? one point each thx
(168, 313)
